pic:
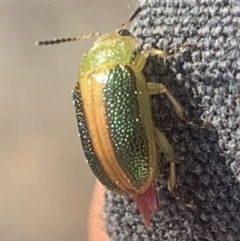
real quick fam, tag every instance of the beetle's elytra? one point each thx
(114, 118)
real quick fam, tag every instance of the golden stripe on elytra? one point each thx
(91, 89)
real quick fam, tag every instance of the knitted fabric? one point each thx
(206, 81)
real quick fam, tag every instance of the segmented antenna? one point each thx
(132, 17)
(78, 38)
(64, 40)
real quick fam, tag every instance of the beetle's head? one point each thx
(117, 36)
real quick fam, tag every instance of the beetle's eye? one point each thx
(124, 32)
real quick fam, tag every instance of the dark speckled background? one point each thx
(45, 184)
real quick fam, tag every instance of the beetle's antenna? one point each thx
(134, 14)
(64, 40)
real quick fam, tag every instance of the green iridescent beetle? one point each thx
(112, 101)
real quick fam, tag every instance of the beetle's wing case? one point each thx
(113, 121)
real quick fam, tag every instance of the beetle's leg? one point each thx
(161, 53)
(140, 59)
(164, 54)
(167, 151)
(156, 88)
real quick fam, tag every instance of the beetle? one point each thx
(112, 105)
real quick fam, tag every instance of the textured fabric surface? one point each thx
(206, 80)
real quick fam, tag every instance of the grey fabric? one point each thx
(206, 80)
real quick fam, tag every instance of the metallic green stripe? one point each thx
(124, 123)
(91, 157)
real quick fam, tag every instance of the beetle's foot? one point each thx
(188, 201)
(197, 122)
(187, 47)
(206, 121)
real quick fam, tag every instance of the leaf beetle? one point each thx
(112, 105)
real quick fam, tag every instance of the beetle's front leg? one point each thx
(156, 88)
(164, 54)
